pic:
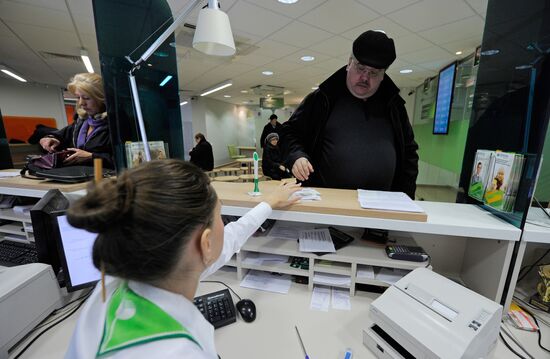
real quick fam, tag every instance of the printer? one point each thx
(425, 315)
(28, 294)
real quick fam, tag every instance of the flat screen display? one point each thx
(75, 246)
(444, 100)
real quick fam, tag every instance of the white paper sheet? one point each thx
(289, 230)
(320, 298)
(340, 299)
(316, 240)
(391, 201)
(261, 258)
(364, 271)
(391, 275)
(308, 194)
(267, 282)
(6, 174)
(331, 279)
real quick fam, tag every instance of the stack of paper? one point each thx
(364, 271)
(267, 282)
(321, 298)
(391, 275)
(289, 230)
(264, 258)
(308, 194)
(316, 240)
(331, 279)
(391, 201)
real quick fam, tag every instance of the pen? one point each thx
(301, 342)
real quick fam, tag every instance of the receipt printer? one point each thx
(28, 294)
(425, 315)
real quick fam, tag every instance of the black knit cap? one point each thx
(374, 49)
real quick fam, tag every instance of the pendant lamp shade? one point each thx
(213, 34)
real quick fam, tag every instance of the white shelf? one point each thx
(10, 214)
(536, 234)
(449, 219)
(12, 228)
(284, 268)
(332, 267)
(369, 281)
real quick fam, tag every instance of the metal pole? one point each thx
(137, 105)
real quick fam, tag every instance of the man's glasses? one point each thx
(365, 70)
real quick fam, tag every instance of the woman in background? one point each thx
(201, 154)
(272, 160)
(88, 136)
(160, 231)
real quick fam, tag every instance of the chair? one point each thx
(233, 152)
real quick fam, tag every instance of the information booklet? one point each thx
(135, 152)
(496, 178)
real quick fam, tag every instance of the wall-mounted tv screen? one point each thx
(444, 100)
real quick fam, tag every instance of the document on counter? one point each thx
(331, 279)
(316, 240)
(263, 258)
(320, 298)
(385, 200)
(340, 299)
(267, 282)
(7, 174)
(391, 275)
(365, 271)
(289, 230)
(308, 195)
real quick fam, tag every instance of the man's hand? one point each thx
(78, 156)
(49, 143)
(302, 169)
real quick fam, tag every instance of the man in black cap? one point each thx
(273, 126)
(353, 132)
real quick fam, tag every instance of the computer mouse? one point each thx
(247, 308)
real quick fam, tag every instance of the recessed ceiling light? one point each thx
(227, 96)
(244, 91)
(287, 92)
(307, 58)
(217, 87)
(405, 71)
(17, 77)
(183, 103)
(149, 65)
(315, 87)
(458, 53)
(382, 31)
(267, 73)
(288, 1)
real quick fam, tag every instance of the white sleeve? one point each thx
(237, 233)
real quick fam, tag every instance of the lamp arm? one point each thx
(155, 45)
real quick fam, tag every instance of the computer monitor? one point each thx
(46, 247)
(444, 100)
(75, 253)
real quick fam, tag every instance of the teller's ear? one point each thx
(206, 246)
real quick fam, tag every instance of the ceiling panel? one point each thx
(479, 6)
(13, 12)
(274, 49)
(385, 6)
(350, 14)
(391, 29)
(291, 10)
(459, 30)
(336, 45)
(428, 14)
(332, 64)
(300, 34)
(410, 43)
(467, 46)
(44, 4)
(424, 55)
(255, 20)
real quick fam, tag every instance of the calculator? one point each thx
(217, 308)
(406, 253)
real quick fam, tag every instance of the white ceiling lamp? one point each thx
(213, 36)
(458, 53)
(315, 87)
(227, 96)
(405, 71)
(288, 2)
(267, 73)
(244, 91)
(184, 103)
(11, 73)
(307, 58)
(217, 87)
(86, 60)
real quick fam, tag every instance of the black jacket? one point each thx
(302, 134)
(269, 129)
(202, 156)
(98, 144)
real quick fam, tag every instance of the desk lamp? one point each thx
(213, 36)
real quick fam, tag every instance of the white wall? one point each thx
(26, 99)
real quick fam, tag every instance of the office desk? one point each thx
(248, 151)
(272, 334)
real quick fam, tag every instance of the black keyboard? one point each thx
(217, 308)
(17, 253)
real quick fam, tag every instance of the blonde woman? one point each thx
(88, 136)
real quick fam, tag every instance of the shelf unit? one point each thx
(18, 228)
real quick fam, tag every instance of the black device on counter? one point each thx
(406, 253)
(217, 308)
